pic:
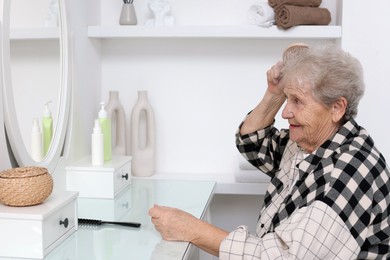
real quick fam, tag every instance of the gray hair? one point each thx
(332, 72)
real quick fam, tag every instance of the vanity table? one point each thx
(144, 243)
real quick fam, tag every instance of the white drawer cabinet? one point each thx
(105, 209)
(32, 232)
(104, 181)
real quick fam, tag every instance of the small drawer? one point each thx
(67, 249)
(122, 178)
(106, 209)
(105, 181)
(58, 224)
(33, 232)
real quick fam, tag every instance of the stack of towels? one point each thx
(289, 13)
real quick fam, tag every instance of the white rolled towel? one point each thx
(261, 14)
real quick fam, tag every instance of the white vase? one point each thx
(128, 16)
(143, 137)
(116, 113)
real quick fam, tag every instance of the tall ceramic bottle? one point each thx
(143, 153)
(116, 113)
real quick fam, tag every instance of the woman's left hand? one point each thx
(177, 225)
(174, 224)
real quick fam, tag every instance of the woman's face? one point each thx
(310, 121)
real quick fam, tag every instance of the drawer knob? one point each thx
(65, 222)
(126, 176)
(125, 205)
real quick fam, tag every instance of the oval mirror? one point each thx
(36, 73)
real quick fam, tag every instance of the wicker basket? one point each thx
(25, 186)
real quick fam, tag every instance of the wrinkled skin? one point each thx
(177, 225)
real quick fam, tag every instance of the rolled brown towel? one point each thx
(289, 15)
(277, 3)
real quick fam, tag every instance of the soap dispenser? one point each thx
(47, 128)
(105, 124)
(36, 141)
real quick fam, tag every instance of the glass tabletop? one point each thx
(117, 242)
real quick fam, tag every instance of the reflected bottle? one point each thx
(36, 141)
(116, 113)
(47, 128)
(143, 137)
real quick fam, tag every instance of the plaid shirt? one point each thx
(336, 206)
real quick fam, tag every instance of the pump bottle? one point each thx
(47, 128)
(36, 141)
(105, 124)
(97, 145)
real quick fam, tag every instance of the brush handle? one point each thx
(127, 224)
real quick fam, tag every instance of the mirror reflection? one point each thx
(35, 67)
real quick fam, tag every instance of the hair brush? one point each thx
(96, 222)
(294, 50)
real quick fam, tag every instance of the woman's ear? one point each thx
(339, 108)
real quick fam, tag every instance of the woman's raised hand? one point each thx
(273, 78)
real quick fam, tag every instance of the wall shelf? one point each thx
(245, 31)
(35, 33)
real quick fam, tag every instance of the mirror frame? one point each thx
(18, 147)
(5, 162)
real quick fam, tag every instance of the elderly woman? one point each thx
(329, 194)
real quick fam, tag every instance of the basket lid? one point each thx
(23, 172)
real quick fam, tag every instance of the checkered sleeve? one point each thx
(263, 148)
(312, 232)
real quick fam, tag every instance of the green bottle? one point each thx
(47, 128)
(105, 123)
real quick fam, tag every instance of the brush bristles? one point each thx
(89, 223)
(294, 50)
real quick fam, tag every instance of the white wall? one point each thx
(86, 77)
(366, 35)
(201, 89)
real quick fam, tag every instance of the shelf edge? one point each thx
(251, 32)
